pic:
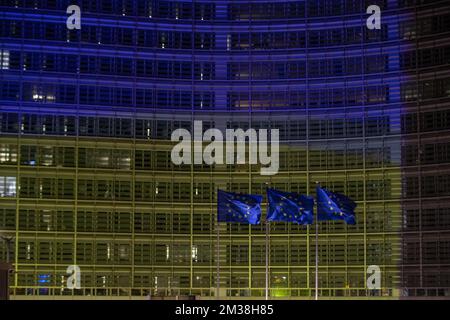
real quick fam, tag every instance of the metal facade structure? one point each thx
(86, 117)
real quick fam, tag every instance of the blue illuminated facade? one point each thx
(86, 117)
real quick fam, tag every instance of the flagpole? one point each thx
(267, 259)
(218, 257)
(317, 261)
(317, 252)
(267, 243)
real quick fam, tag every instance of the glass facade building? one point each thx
(86, 118)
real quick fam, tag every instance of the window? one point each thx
(7, 186)
(4, 59)
(8, 154)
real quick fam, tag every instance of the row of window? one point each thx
(381, 218)
(159, 282)
(345, 157)
(428, 153)
(162, 129)
(144, 38)
(433, 252)
(303, 39)
(143, 8)
(126, 159)
(108, 221)
(107, 96)
(83, 64)
(299, 9)
(102, 252)
(113, 253)
(149, 191)
(426, 219)
(312, 98)
(207, 11)
(338, 97)
(104, 189)
(338, 66)
(108, 35)
(427, 186)
(202, 287)
(297, 69)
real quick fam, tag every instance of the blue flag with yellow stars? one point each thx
(236, 207)
(290, 207)
(335, 206)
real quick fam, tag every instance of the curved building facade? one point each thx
(86, 118)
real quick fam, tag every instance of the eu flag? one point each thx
(236, 207)
(289, 207)
(335, 206)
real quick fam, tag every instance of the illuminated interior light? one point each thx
(4, 59)
(38, 97)
(194, 253)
